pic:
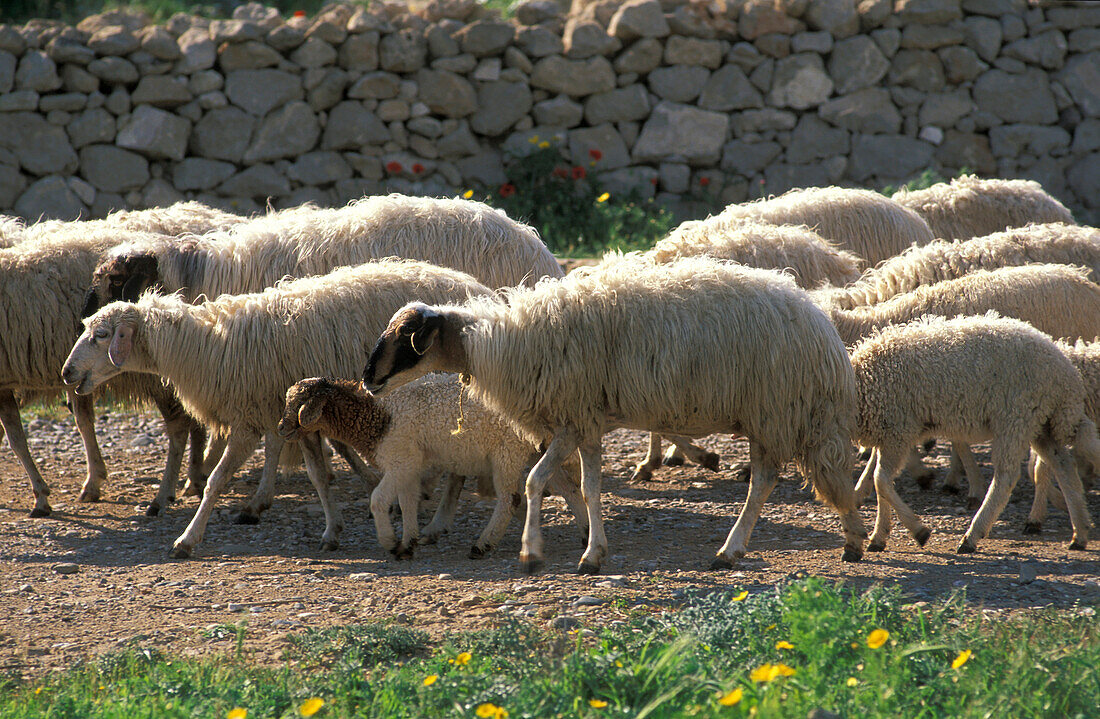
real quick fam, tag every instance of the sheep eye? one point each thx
(101, 333)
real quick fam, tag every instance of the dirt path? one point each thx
(662, 535)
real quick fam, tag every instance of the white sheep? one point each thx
(863, 222)
(971, 379)
(692, 347)
(970, 207)
(1052, 243)
(423, 429)
(232, 359)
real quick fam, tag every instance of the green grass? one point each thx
(668, 664)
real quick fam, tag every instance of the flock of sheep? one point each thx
(806, 323)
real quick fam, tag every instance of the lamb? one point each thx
(232, 359)
(1052, 243)
(971, 379)
(970, 207)
(42, 279)
(859, 221)
(692, 347)
(411, 435)
(303, 241)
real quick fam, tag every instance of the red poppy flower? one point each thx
(418, 168)
(595, 154)
(704, 181)
(299, 13)
(393, 166)
(653, 180)
(562, 172)
(507, 189)
(579, 173)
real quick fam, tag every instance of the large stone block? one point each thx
(402, 51)
(261, 181)
(319, 168)
(251, 55)
(1081, 78)
(837, 17)
(501, 104)
(573, 77)
(483, 38)
(729, 89)
(800, 82)
(814, 139)
(919, 69)
(638, 18)
(857, 63)
(162, 91)
(12, 184)
(605, 140)
(155, 133)
(620, 105)
(678, 83)
(197, 51)
(37, 72)
(196, 173)
(681, 132)
(748, 158)
(286, 132)
(50, 198)
(1024, 97)
(351, 126)
(113, 169)
(966, 149)
(222, 134)
(887, 157)
(446, 93)
(258, 92)
(1084, 179)
(7, 71)
(94, 125)
(42, 148)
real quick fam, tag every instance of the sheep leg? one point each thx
(684, 448)
(1065, 467)
(84, 413)
(408, 497)
(1006, 470)
(241, 445)
(561, 446)
(177, 425)
(197, 456)
(866, 478)
(883, 517)
(392, 486)
(214, 452)
(1042, 475)
(320, 474)
(444, 518)
(571, 493)
(644, 471)
(975, 483)
(13, 427)
(921, 473)
(762, 481)
(356, 462)
(265, 492)
(591, 460)
(888, 465)
(507, 501)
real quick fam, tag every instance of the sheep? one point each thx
(970, 207)
(232, 359)
(422, 429)
(691, 347)
(971, 379)
(467, 236)
(42, 279)
(1052, 243)
(863, 222)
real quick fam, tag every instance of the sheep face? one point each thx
(305, 401)
(103, 350)
(122, 276)
(410, 347)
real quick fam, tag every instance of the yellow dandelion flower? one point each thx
(762, 673)
(782, 670)
(468, 194)
(963, 658)
(770, 627)
(38, 690)
(855, 645)
(877, 638)
(237, 713)
(618, 664)
(597, 703)
(784, 644)
(730, 698)
(430, 679)
(311, 706)
(742, 597)
(544, 144)
(592, 163)
(852, 681)
(462, 659)
(502, 713)
(486, 710)
(604, 197)
(533, 139)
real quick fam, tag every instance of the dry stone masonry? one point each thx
(742, 97)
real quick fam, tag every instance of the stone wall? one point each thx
(741, 97)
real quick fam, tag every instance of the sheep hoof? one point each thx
(194, 489)
(400, 552)
(924, 480)
(966, 548)
(430, 537)
(743, 473)
(41, 511)
(246, 517)
(949, 489)
(180, 551)
(876, 547)
(477, 552)
(929, 445)
(89, 494)
(641, 474)
(152, 510)
(329, 545)
(672, 460)
(711, 461)
(530, 566)
(1078, 545)
(851, 554)
(586, 568)
(1033, 528)
(922, 535)
(973, 503)
(720, 563)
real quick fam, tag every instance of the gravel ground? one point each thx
(96, 577)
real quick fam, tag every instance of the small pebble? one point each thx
(363, 576)
(446, 576)
(563, 622)
(587, 602)
(66, 568)
(234, 607)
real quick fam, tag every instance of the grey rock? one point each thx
(286, 132)
(205, 81)
(91, 126)
(329, 91)
(681, 133)
(460, 64)
(638, 18)
(1086, 136)
(12, 184)
(113, 169)
(1081, 77)
(763, 17)
(7, 71)
(1076, 15)
(623, 104)
(1047, 50)
(1025, 98)
(1037, 140)
(50, 198)
(319, 168)
(235, 31)
(160, 43)
(514, 58)
(359, 53)
(532, 12)
(77, 79)
(402, 51)
(460, 142)
(888, 40)
(604, 138)
(351, 126)
(641, 57)
(285, 37)
(258, 92)
(774, 45)
(155, 133)
(390, 110)
(538, 42)
(857, 63)
(585, 39)
(37, 72)
(961, 64)
(765, 120)
(887, 157)
(564, 622)
(1013, 27)
(485, 37)
(781, 176)
(928, 12)
(501, 105)
(256, 181)
(1084, 179)
(573, 77)
(11, 41)
(161, 91)
(64, 52)
(748, 158)
(560, 111)
(931, 37)
(19, 100)
(197, 51)
(440, 37)
(488, 70)
(693, 51)
(1084, 39)
(114, 70)
(378, 85)
(994, 8)
(820, 42)
(728, 89)
(314, 52)
(196, 173)
(486, 168)
(966, 149)
(686, 20)
(984, 36)
(426, 126)
(446, 93)
(673, 177)
(946, 109)
(160, 193)
(837, 17)
(222, 134)
(113, 40)
(679, 83)
(919, 69)
(251, 55)
(800, 82)
(586, 601)
(42, 148)
(814, 139)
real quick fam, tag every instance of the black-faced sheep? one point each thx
(231, 360)
(693, 347)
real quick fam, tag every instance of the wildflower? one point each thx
(604, 197)
(430, 679)
(597, 703)
(742, 596)
(507, 189)
(488, 710)
(617, 663)
(855, 645)
(533, 139)
(963, 658)
(393, 166)
(783, 644)
(770, 672)
(462, 659)
(730, 698)
(418, 168)
(299, 13)
(237, 713)
(653, 181)
(561, 172)
(770, 626)
(38, 690)
(877, 638)
(579, 173)
(311, 706)
(852, 681)
(704, 181)
(595, 154)
(543, 145)
(468, 194)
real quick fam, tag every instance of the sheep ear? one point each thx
(424, 337)
(310, 412)
(131, 291)
(121, 344)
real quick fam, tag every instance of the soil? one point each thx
(125, 591)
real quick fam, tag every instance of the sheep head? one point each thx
(305, 401)
(419, 339)
(104, 349)
(121, 276)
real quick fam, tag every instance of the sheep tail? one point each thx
(828, 468)
(1087, 443)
